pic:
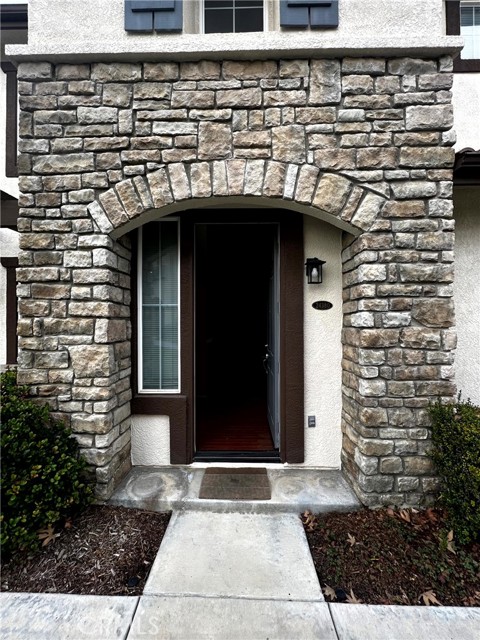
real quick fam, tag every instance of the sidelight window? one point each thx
(158, 307)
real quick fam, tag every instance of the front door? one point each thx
(237, 359)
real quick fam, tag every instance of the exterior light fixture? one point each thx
(313, 269)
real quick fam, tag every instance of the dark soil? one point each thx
(105, 551)
(392, 557)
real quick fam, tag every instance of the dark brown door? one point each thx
(235, 377)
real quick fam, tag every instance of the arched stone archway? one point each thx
(329, 196)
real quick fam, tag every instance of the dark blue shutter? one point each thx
(292, 15)
(147, 15)
(304, 13)
(135, 19)
(324, 16)
(169, 17)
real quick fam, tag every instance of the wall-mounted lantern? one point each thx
(313, 269)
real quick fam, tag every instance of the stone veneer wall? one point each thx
(363, 141)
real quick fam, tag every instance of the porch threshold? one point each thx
(238, 456)
(293, 490)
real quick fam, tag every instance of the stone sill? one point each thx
(239, 46)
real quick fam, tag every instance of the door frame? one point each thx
(180, 407)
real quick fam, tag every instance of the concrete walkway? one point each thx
(230, 570)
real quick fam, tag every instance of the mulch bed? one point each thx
(392, 557)
(105, 551)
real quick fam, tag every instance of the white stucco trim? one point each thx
(240, 46)
(8, 249)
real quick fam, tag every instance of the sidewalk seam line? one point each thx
(333, 621)
(133, 617)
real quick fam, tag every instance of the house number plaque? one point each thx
(322, 305)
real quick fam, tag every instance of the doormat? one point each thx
(235, 484)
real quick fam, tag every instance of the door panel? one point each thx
(272, 351)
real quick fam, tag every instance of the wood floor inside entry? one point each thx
(236, 426)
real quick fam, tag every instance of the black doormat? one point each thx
(235, 484)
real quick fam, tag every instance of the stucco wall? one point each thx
(150, 440)
(323, 347)
(9, 249)
(467, 302)
(91, 27)
(466, 109)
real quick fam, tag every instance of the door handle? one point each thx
(265, 361)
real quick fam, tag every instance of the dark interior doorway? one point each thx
(233, 273)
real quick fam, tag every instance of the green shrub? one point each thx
(456, 454)
(43, 478)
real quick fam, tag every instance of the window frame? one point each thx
(202, 20)
(139, 318)
(452, 14)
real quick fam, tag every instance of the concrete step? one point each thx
(293, 490)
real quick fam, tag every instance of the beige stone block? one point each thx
(238, 98)
(332, 193)
(290, 181)
(249, 70)
(161, 70)
(293, 68)
(288, 144)
(324, 82)
(437, 312)
(214, 141)
(92, 423)
(203, 70)
(129, 198)
(282, 98)
(195, 99)
(179, 181)
(220, 185)
(368, 211)
(116, 72)
(252, 138)
(200, 180)
(235, 176)
(92, 360)
(307, 181)
(315, 115)
(438, 117)
(274, 180)
(427, 157)
(159, 188)
(143, 191)
(254, 176)
(110, 330)
(335, 158)
(113, 208)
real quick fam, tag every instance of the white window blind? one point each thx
(158, 304)
(470, 30)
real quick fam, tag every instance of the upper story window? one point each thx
(463, 18)
(470, 29)
(233, 16)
